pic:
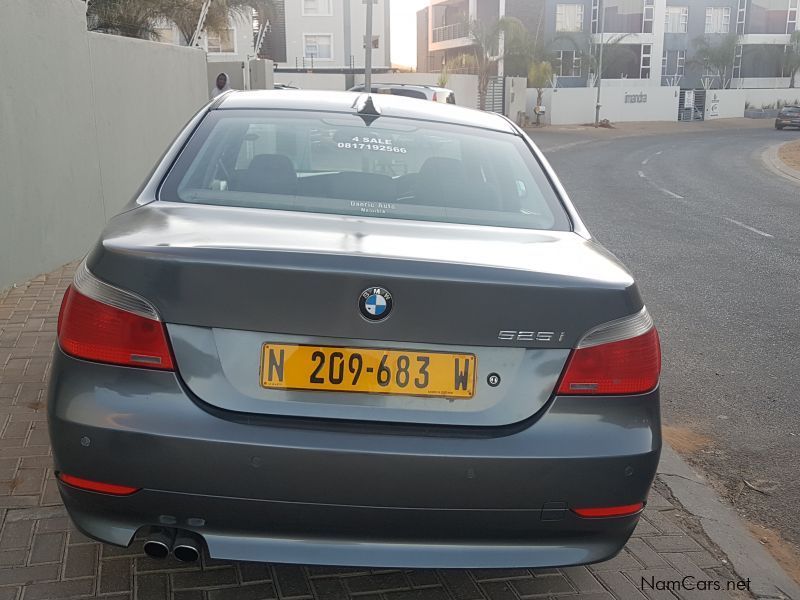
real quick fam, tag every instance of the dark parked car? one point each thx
(789, 116)
(355, 330)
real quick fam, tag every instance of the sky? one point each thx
(404, 30)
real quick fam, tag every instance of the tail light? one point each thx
(616, 358)
(101, 323)
(435, 97)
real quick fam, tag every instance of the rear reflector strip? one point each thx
(609, 511)
(97, 486)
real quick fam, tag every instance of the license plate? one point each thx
(368, 370)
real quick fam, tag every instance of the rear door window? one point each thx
(386, 168)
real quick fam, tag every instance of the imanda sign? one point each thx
(640, 98)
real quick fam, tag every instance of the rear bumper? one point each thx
(350, 493)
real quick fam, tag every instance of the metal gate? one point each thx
(692, 105)
(496, 95)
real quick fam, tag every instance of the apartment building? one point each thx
(327, 35)
(443, 27)
(234, 43)
(653, 41)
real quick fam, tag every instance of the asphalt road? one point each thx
(713, 238)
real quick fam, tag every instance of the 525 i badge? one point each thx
(531, 336)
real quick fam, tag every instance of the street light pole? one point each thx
(601, 16)
(368, 49)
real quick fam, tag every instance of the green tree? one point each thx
(186, 13)
(485, 54)
(717, 58)
(130, 18)
(540, 76)
(791, 60)
(139, 18)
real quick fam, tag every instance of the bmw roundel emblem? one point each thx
(375, 303)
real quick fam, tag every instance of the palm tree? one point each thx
(485, 52)
(791, 59)
(130, 18)
(540, 76)
(718, 59)
(186, 13)
(139, 18)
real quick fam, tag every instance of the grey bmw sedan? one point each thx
(353, 329)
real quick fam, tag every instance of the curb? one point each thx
(776, 165)
(723, 526)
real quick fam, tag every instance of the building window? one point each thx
(222, 41)
(569, 17)
(791, 18)
(595, 14)
(741, 16)
(317, 8)
(318, 46)
(718, 19)
(677, 19)
(673, 63)
(647, 16)
(569, 63)
(644, 67)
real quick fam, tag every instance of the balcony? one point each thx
(454, 31)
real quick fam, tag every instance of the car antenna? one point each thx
(366, 109)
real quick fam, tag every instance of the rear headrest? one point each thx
(269, 174)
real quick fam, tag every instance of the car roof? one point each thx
(417, 85)
(343, 102)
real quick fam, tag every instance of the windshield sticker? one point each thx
(373, 208)
(375, 144)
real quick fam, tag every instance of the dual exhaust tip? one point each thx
(183, 545)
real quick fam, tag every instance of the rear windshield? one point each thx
(790, 110)
(341, 164)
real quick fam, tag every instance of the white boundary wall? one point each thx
(757, 98)
(646, 103)
(724, 104)
(83, 119)
(575, 106)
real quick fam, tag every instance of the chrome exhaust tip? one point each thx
(159, 543)
(186, 548)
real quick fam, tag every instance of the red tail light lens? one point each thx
(623, 366)
(98, 332)
(97, 486)
(609, 511)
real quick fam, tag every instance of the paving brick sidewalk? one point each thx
(43, 556)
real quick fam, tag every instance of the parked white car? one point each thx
(423, 92)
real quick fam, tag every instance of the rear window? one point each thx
(790, 110)
(341, 164)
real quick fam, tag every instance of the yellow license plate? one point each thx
(368, 370)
